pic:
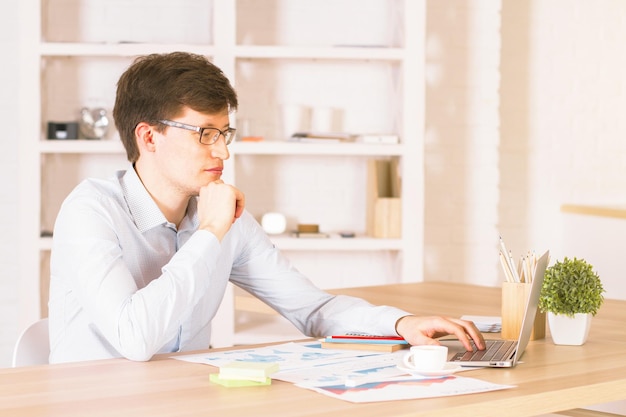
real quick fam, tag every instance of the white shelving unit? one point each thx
(275, 53)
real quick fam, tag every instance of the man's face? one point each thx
(186, 164)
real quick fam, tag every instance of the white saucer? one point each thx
(448, 369)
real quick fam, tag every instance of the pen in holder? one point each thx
(514, 299)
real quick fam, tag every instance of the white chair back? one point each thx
(32, 346)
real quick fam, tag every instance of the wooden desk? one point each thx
(551, 378)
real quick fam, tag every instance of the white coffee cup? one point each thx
(426, 357)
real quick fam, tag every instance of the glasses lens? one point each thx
(229, 136)
(210, 136)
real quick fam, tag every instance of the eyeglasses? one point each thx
(208, 135)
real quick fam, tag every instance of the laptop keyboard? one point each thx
(495, 350)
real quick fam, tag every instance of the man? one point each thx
(140, 262)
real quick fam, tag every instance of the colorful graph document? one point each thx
(405, 388)
(288, 356)
(353, 376)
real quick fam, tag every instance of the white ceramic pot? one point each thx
(567, 330)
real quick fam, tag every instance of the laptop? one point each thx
(506, 353)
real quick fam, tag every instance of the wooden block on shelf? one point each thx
(308, 228)
(384, 205)
(387, 218)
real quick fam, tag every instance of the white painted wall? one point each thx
(9, 268)
(563, 96)
(525, 103)
(600, 241)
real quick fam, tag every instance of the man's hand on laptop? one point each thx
(425, 330)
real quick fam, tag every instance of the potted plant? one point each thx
(571, 295)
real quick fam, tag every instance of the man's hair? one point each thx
(159, 86)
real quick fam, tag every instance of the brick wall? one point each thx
(462, 139)
(563, 97)
(525, 111)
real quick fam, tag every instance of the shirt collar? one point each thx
(144, 211)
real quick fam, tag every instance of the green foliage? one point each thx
(571, 287)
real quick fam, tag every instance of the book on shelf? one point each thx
(386, 139)
(315, 137)
(338, 137)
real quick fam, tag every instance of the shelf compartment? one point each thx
(61, 172)
(329, 191)
(279, 97)
(70, 83)
(370, 23)
(162, 21)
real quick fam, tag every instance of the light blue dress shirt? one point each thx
(127, 283)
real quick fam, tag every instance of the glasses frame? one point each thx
(228, 134)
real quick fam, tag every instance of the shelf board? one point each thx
(118, 49)
(93, 49)
(336, 243)
(45, 243)
(295, 148)
(331, 52)
(81, 146)
(238, 148)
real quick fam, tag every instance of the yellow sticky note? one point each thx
(232, 383)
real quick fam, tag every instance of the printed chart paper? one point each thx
(289, 356)
(354, 376)
(406, 388)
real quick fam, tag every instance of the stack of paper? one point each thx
(241, 373)
(486, 324)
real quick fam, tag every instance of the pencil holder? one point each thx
(514, 299)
